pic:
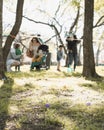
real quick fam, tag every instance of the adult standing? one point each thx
(72, 42)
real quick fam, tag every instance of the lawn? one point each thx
(52, 100)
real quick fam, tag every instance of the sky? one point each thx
(29, 11)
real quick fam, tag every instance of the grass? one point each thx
(98, 85)
(47, 100)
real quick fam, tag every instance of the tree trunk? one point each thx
(14, 30)
(2, 74)
(79, 55)
(97, 54)
(88, 59)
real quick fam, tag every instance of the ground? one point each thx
(61, 91)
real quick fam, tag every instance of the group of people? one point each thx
(38, 53)
(72, 42)
(15, 55)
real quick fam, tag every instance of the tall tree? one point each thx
(14, 30)
(2, 75)
(88, 63)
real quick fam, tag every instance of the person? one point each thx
(12, 58)
(18, 52)
(72, 42)
(59, 57)
(33, 46)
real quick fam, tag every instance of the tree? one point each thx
(88, 59)
(2, 75)
(14, 30)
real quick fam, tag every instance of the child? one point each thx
(18, 52)
(59, 57)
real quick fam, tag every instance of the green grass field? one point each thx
(51, 100)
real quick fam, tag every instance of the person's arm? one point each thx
(13, 53)
(30, 46)
(77, 41)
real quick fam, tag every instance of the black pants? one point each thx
(72, 57)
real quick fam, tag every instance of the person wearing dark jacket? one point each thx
(72, 50)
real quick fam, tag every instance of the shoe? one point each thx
(58, 70)
(37, 69)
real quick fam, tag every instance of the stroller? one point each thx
(44, 61)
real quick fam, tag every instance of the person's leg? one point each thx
(75, 61)
(15, 63)
(32, 66)
(15, 68)
(58, 65)
(9, 68)
(11, 63)
(18, 67)
(38, 67)
(70, 59)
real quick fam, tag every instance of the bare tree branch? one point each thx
(35, 21)
(75, 21)
(57, 10)
(98, 22)
(43, 11)
(50, 38)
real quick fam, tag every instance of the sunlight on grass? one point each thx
(48, 100)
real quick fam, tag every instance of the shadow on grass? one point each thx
(5, 95)
(40, 127)
(86, 120)
(74, 74)
(98, 85)
(84, 117)
(37, 119)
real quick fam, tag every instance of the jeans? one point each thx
(72, 57)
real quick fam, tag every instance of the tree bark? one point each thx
(79, 55)
(88, 59)
(14, 30)
(2, 73)
(97, 54)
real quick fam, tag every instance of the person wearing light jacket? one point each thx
(12, 58)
